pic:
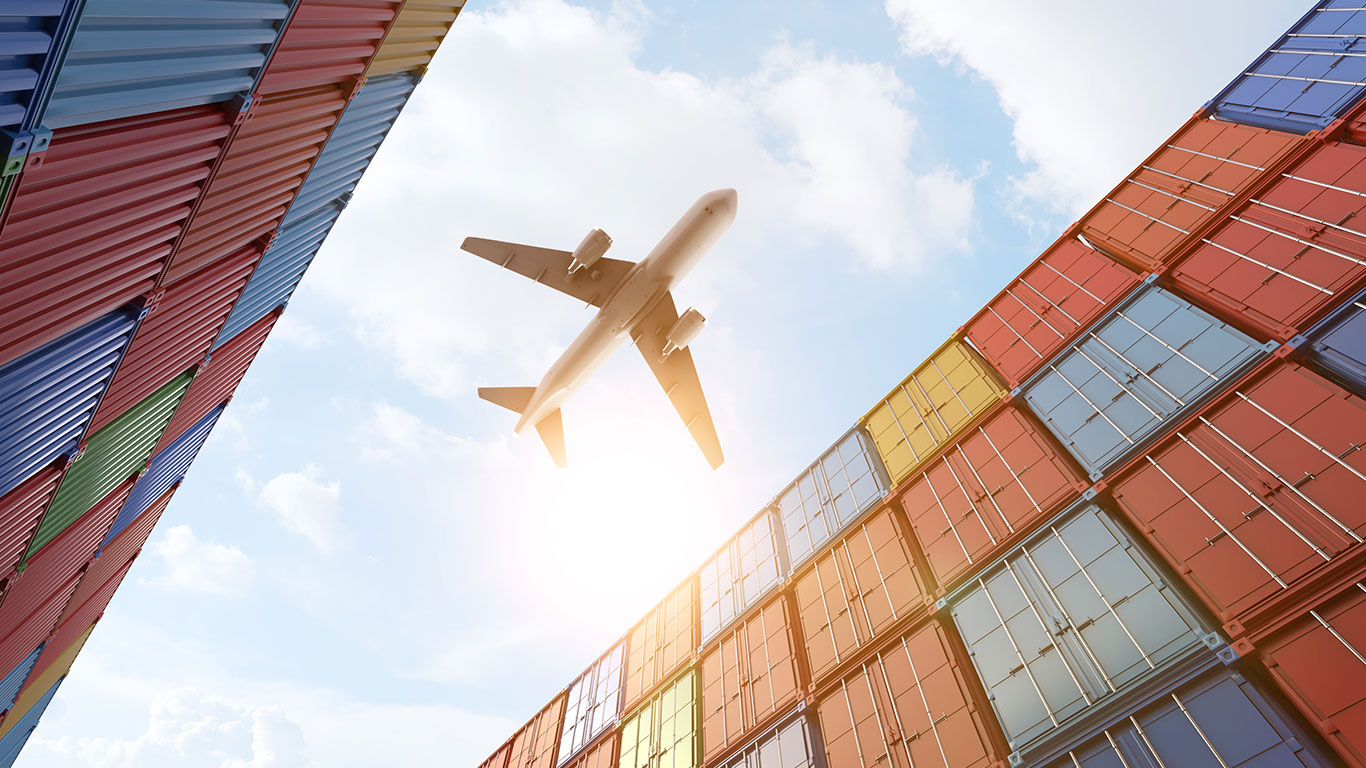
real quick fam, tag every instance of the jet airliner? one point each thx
(633, 300)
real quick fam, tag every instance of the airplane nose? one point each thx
(722, 201)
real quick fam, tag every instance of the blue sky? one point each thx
(365, 568)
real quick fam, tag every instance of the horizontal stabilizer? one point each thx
(551, 430)
(511, 398)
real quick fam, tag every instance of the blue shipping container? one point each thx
(1308, 78)
(1151, 360)
(48, 396)
(167, 469)
(13, 742)
(30, 45)
(1339, 343)
(14, 681)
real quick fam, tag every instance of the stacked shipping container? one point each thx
(170, 170)
(1114, 521)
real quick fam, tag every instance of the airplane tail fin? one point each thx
(550, 428)
(512, 398)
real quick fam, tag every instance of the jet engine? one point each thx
(594, 245)
(684, 331)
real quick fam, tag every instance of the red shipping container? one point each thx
(749, 678)
(661, 643)
(1182, 187)
(328, 41)
(1257, 493)
(176, 333)
(857, 591)
(91, 227)
(22, 634)
(261, 171)
(78, 617)
(604, 754)
(986, 493)
(1046, 308)
(1294, 252)
(914, 704)
(20, 510)
(534, 746)
(218, 378)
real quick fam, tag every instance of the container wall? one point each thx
(794, 744)
(664, 733)
(498, 759)
(603, 754)
(1309, 77)
(1075, 617)
(17, 733)
(1155, 357)
(995, 485)
(1044, 309)
(1339, 344)
(739, 574)
(19, 634)
(20, 510)
(130, 540)
(33, 35)
(908, 706)
(90, 229)
(1180, 189)
(52, 666)
(111, 456)
(855, 592)
(534, 745)
(1259, 492)
(135, 58)
(48, 395)
(594, 703)
(218, 378)
(832, 493)
(11, 684)
(87, 604)
(415, 36)
(328, 41)
(937, 401)
(661, 643)
(167, 469)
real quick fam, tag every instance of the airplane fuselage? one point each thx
(668, 263)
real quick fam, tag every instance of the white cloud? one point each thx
(307, 506)
(290, 331)
(193, 565)
(1093, 87)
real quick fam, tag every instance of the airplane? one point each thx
(633, 300)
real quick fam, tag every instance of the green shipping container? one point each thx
(664, 732)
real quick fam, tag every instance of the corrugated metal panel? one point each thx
(603, 754)
(19, 513)
(986, 492)
(52, 666)
(14, 681)
(1258, 493)
(594, 703)
(847, 480)
(856, 592)
(48, 395)
(87, 604)
(1074, 618)
(132, 537)
(19, 634)
(1046, 307)
(533, 746)
(135, 57)
(1181, 187)
(112, 455)
(661, 643)
(1153, 359)
(793, 744)
(260, 173)
(328, 41)
(218, 378)
(936, 402)
(664, 733)
(1309, 77)
(176, 333)
(740, 573)
(90, 229)
(167, 469)
(30, 33)
(16, 735)
(1339, 343)
(415, 36)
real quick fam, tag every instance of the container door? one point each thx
(829, 495)
(1341, 348)
(858, 730)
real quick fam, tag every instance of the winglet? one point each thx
(512, 398)
(551, 430)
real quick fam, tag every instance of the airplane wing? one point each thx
(678, 377)
(550, 268)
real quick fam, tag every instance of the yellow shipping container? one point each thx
(936, 402)
(43, 683)
(664, 732)
(414, 37)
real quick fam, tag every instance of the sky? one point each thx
(364, 567)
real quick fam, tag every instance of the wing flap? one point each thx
(678, 376)
(550, 268)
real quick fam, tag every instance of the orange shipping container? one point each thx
(600, 755)
(534, 745)
(661, 643)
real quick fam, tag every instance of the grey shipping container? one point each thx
(1152, 359)
(740, 573)
(1339, 343)
(594, 703)
(830, 494)
(31, 35)
(795, 743)
(14, 681)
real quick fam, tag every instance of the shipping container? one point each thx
(20, 510)
(938, 400)
(664, 732)
(260, 172)
(993, 487)
(1203, 170)
(913, 704)
(217, 378)
(328, 41)
(48, 395)
(110, 457)
(58, 662)
(602, 754)
(796, 743)
(132, 536)
(1307, 78)
(1046, 307)
(1258, 492)
(1154, 358)
(415, 36)
(661, 643)
(16, 733)
(14, 681)
(135, 58)
(845, 481)
(739, 575)
(1221, 720)
(91, 228)
(749, 678)
(86, 606)
(20, 633)
(1339, 343)
(534, 745)
(167, 469)
(1071, 620)
(33, 34)
(498, 759)
(856, 592)
(594, 703)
